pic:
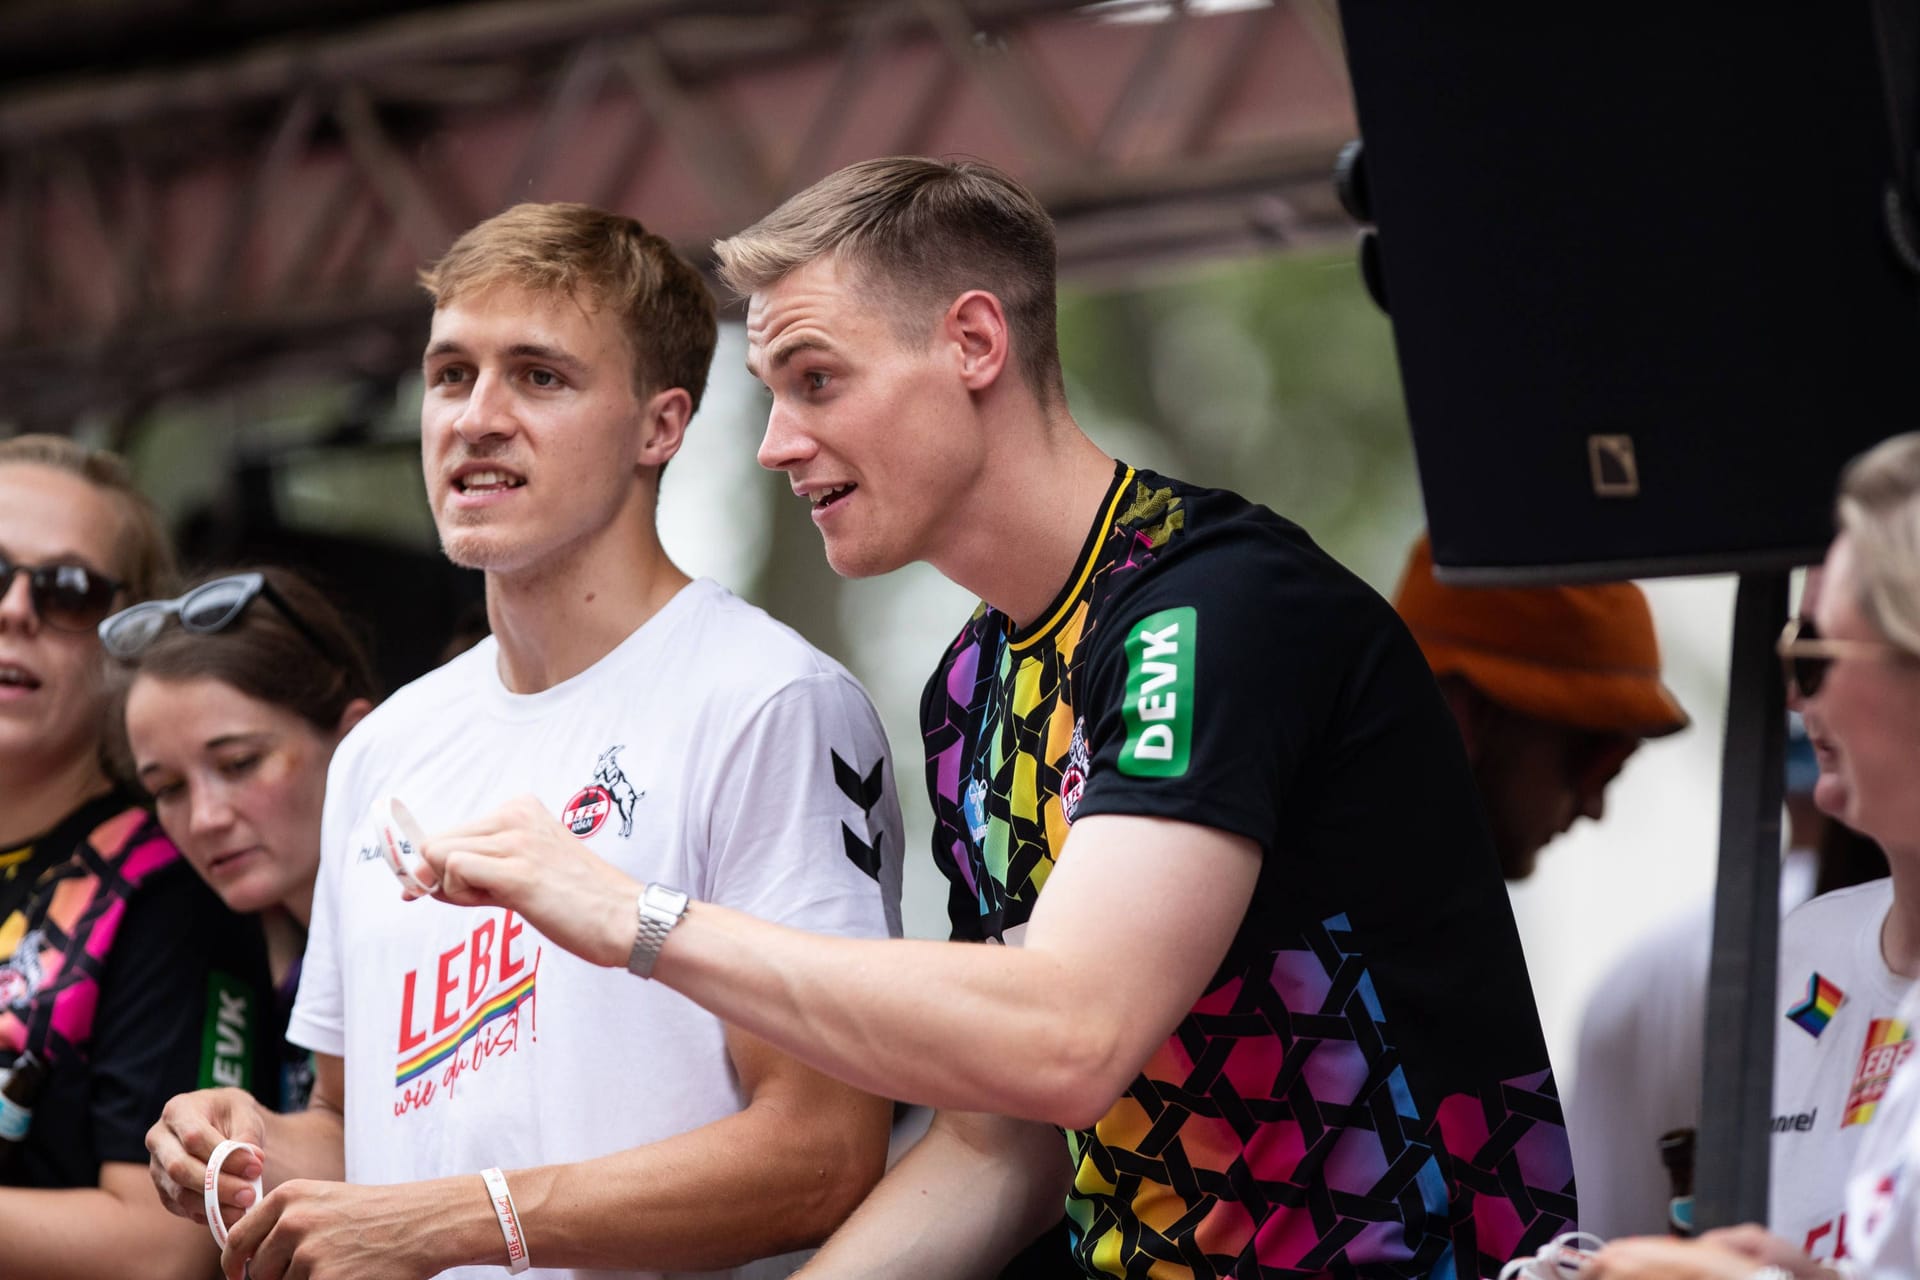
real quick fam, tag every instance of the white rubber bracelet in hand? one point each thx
(509, 1218)
(401, 838)
(215, 1223)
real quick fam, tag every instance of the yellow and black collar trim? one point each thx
(1089, 558)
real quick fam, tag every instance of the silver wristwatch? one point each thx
(660, 910)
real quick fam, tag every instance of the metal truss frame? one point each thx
(178, 230)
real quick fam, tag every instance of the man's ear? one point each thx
(350, 715)
(975, 327)
(1472, 711)
(664, 420)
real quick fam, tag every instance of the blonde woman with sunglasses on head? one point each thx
(1855, 668)
(119, 972)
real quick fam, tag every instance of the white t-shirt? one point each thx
(1883, 1201)
(713, 751)
(1637, 1073)
(1835, 1047)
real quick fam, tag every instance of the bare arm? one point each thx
(959, 1205)
(1737, 1253)
(1040, 1031)
(778, 1175)
(92, 1232)
(302, 1144)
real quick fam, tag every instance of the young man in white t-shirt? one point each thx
(674, 729)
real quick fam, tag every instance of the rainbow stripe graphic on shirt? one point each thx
(434, 1054)
(1814, 1013)
(1887, 1046)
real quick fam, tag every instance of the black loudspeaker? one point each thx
(1640, 274)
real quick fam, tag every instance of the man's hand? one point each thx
(1733, 1254)
(521, 858)
(180, 1142)
(335, 1231)
(1767, 1250)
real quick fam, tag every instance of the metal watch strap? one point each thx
(660, 909)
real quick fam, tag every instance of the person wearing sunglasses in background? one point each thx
(235, 696)
(1635, 1109)
(1854, 667)
(119, 971)
(1843, 977)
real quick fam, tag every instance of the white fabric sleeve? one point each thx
(1637, 1074)
(804, 818)
(319, 1020)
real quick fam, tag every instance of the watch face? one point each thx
(662, 901)
(660, 910)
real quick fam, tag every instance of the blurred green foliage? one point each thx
(1273, 376)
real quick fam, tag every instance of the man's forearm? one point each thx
(763, 1181)
(1047, 1031)
(961, 1028)
(714, 1197)
(305, 1144)
(960, 1204)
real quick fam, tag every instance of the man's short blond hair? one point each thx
(145, 559)
(1879, 510)
(920, 232)
(598, 259)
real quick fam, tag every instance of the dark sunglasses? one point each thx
(209, 607)
(1805, 654)
(67, 597)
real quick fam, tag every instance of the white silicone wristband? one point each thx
(509, 1218)
(400, 838)
(211, 1191)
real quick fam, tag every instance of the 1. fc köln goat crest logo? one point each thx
(610, 792)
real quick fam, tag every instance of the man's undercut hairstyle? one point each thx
(145, 564)
(598, 259)
(1879, 509)
(921, 232)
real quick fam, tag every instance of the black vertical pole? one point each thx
(1737, 1103)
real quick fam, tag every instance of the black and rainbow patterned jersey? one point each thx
(1362, 1089)
(122, 972)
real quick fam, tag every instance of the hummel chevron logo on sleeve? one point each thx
(864, 791)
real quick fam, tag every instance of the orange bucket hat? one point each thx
(1581, 656)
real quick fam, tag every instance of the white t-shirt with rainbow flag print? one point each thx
(1839, 1038)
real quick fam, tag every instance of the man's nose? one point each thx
(16, 604)
(488, 411)
(785, 445)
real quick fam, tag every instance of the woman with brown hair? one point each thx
(239, 691)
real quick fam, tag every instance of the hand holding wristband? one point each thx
(211, 1189)
(509, 1218)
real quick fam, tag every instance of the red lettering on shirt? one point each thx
(409, 1038)
(510, 967)
(1837, 1228)
(479, 961)
(444, 1017)
(491, 960)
